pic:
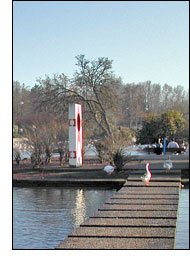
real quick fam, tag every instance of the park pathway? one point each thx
(136, 217)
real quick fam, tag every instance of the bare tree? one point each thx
(93, 85)
(97, 86)
(16, 155)
(33, 135)
(132, 104)
(61, 141)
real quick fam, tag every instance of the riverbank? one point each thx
(92, 173)
(55, 182)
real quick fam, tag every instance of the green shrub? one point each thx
(15, 131)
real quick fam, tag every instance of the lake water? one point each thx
(90, 150)
(182, 230)
(44, 216)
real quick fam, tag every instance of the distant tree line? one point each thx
(109, 106)
(170, 125)
(139, 100)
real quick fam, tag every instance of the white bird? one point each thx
(168, 164)
(147, 176)
(109, 169)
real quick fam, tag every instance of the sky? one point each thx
(147, 40)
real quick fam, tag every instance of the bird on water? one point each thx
(147, 176)
(168, 164)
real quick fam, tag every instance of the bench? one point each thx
(158, 150)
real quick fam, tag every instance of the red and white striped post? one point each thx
(75, 135)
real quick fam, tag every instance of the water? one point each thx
(90, 150)
(182, 230)
(43, 217)
(133, 150)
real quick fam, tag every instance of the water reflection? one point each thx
(42, 217)
(79, 211)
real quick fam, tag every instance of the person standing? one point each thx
(159, 147)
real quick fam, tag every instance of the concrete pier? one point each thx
(136, 217)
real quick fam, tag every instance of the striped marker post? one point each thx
(75, 135)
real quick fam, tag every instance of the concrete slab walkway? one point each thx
(136, 217)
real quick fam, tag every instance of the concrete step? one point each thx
(138, 183)
(155, 178)
(137, 201)
(112, 232)
(155, 172)
(116, 243)
(151, 190)
(124, 196)
(135, 214)
(128, 222)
